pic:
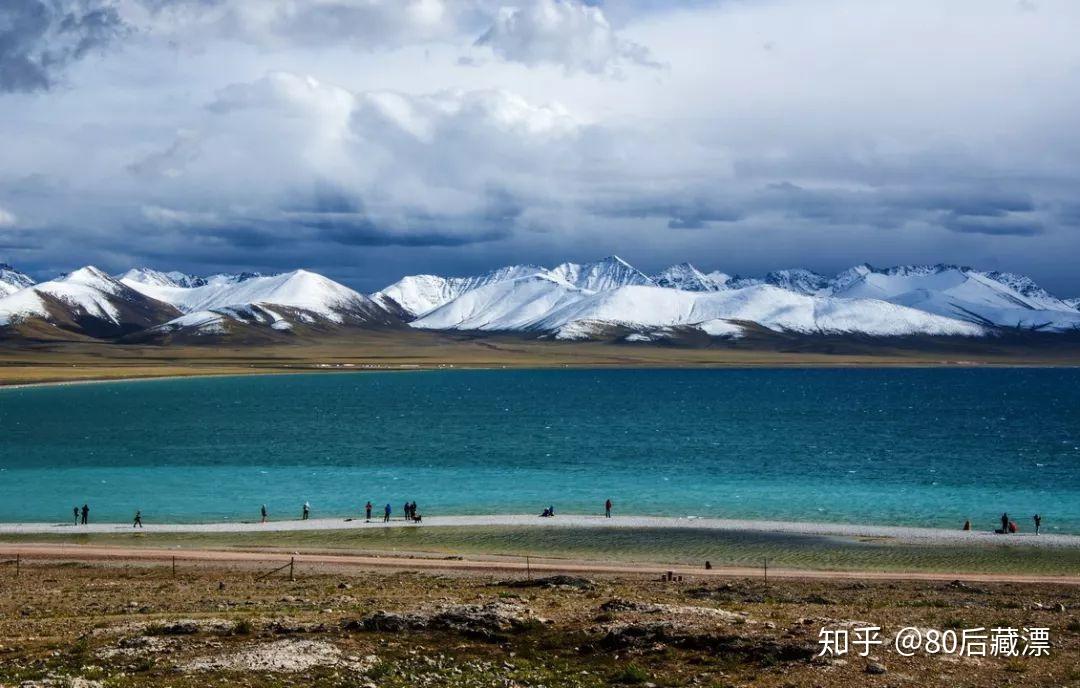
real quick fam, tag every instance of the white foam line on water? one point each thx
(903, 534)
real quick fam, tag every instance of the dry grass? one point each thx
(24, 362)
(140, 626)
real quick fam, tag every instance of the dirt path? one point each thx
(128, 555)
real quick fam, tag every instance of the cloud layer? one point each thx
(39, 38)
(367, 138)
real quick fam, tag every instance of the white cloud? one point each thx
(7, 218)
(362, 24)
(401, 163)
(562, 32)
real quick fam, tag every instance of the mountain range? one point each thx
(606, 300)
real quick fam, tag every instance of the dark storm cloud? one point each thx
(339, 217)
(39, 38)
(1002, 225)
(680, 212)
(358, 230)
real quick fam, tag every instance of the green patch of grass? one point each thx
(631, 674)
(243, 627)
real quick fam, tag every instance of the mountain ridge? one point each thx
(604, 299)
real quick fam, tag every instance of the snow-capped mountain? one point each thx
(610, 273)
(990, 299)
(417, 294)
(11, 280)
(576, 300)
(798, 280)
(606, 299)
(544, 304)
(688, 278)
(277, 301)
(86, 301)
(161, 279)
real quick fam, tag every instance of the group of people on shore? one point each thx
(1008, 526)
(81, 516)
(550, 511)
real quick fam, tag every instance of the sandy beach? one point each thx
(897, 534)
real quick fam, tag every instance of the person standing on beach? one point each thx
(262, 512)
(85, 513)
(405, 510)
(1004, 523)
(1038, 523)
(138, 520)
(75, 510)
(367, 511)
(386, 513)
(307, 510)
(607, 508)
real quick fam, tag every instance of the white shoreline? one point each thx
(897, 534)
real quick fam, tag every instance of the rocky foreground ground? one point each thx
(89, 625)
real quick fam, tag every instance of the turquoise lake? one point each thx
(914, 446)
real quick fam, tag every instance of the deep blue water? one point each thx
(925, 447)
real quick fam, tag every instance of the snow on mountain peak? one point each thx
(1019, 283)
(300, 289)
(420, 294)
(609, 273)
(173, 278)
(688, 278)
(12, 280)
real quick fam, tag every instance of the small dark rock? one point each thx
(876, 668)
(818, 599)
(178, 628)
(559, 581)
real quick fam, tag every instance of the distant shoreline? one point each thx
(896, 534)
(839, 365)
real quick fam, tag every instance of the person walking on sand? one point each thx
(386, 513)
(85, 513)
(367, 511)
(262, 514)
(607, 508)
(1004, 523)
(75, 510)
(1038, 523)
(138, 520)
(307, 511)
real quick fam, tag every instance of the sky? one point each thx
(369, 139)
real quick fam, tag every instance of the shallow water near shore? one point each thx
(906, 447)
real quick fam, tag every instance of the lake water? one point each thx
(916, 447)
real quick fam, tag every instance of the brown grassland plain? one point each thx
(34, 362)
(97, 625)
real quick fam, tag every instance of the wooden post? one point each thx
(766, 570)
(18, 561)
(528, 568)
(174, 567)
(292, 561)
